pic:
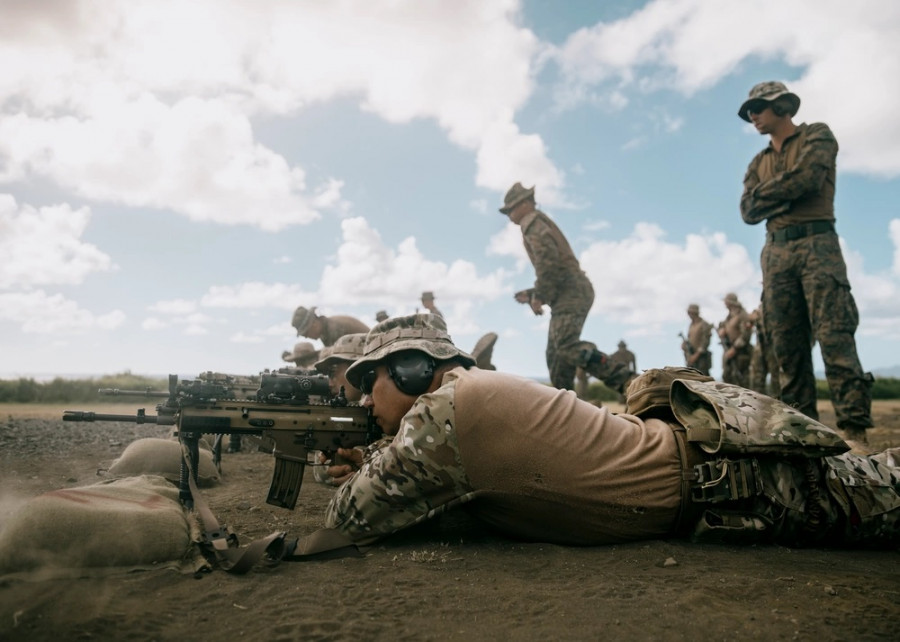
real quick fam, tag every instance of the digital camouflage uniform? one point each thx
(481, 441)
(698, 337)
(561, 284)
(806, 293)
(735, 332)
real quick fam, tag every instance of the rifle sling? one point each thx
(325, 543)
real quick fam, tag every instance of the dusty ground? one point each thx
(451, 581)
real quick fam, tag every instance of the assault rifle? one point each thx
(281, 413)
(686, 345)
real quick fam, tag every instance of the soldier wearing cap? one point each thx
(326, 329)
(806, 293)
(696, 345)
(562, 285)
(735, 333)
(380, 316)
(337, 358)
(428, 302)
(479, 438)
(304, 355)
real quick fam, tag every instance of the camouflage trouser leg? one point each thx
(812, 271)
(737, 369)
(563, 347)
(703, 363)
(758, 370)
(846, 501)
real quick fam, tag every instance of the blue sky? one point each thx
(176, 178)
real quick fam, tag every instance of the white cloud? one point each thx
(646, 281)
(123, 104)
(369, 271)
(43, 246)
(41, 313)
(843, 50)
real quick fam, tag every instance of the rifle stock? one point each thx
(292, 424)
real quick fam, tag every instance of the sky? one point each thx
(177, 177)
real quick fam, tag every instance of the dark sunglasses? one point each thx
(367, 381)
(757, 106)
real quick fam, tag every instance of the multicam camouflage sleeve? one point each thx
(761, 201)
(417, 476)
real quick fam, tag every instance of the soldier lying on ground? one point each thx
(481, 439)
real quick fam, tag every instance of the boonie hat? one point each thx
(381, 315)
(693, 307)
(347, 348)
(303, 352)
(731, 299)
(424, 332)
(302, 318)
(767, 92)
(516, 194)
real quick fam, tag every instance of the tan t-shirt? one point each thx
(531, 460)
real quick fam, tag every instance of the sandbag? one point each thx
(154, 456)
(125, 524)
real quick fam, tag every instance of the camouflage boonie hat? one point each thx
(731, 299)
(428, 295)
(347, 348)
(381, 315)
(302, 318)
(693, 307)
(424, 332)
(516, 194)
(767, 92)
(649, 391)
(303, 353)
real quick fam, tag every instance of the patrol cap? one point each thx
(303, 352)
(302, 318)
(731, 299)
(424, 332)
(766, 92)
(516, 194)
(347, 348)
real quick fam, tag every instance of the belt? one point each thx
(691, 456)
(794, 232)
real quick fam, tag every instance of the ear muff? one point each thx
(412, 371)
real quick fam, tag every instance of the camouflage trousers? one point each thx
(842, 501)
(564, 345)
(763, 365)
(807, 298)
(736, 370)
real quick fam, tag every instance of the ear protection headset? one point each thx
(412, 371)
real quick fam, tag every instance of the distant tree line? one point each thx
(59, 390)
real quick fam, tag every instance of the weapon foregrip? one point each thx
(286, 480)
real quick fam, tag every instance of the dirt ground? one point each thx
(447, 581)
